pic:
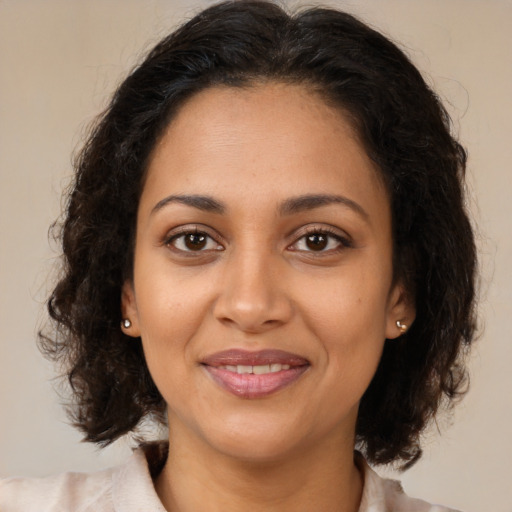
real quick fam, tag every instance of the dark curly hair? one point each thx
(404, 129)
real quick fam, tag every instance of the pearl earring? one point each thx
(126, 323)
(402, 327)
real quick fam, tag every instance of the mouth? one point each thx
(254, 375)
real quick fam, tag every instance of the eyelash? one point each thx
(170, 241)
(342, 241)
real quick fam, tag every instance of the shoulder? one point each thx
(78, 492)
(385, 495)
(126, 488)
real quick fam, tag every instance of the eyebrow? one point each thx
(288, 207)
(312, 201)
(205, 203)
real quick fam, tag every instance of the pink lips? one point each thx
(252, 385)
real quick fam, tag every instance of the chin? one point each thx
(254, 440)
(254, 449)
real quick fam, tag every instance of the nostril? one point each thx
(251, 326)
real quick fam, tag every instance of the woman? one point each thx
(265, 246)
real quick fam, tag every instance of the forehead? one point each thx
(256, 109)
(271, 138)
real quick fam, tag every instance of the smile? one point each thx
(254, 375)
(259, 369)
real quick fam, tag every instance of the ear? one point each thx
(400, 308)
(129, 310)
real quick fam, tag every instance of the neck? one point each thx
(197, 477)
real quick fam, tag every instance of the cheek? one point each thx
(169, 318)
(349, 306)
(349, 320)
(169, 304)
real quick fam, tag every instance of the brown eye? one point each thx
(317, 241)
(195, 241)
(321, 241)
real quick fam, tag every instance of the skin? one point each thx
(257, 284)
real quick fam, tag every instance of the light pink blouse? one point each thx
(129, 488)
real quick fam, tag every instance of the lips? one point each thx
(254, 374)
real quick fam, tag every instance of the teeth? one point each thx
(257, 369)
(260, 369)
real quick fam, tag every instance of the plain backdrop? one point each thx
(60, 60)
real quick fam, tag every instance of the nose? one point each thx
(253, 295)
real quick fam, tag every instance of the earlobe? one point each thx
(130, 318)
(401, 312)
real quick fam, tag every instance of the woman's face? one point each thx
(262, 285)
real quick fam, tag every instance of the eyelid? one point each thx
(187, 229)
(341, 236)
